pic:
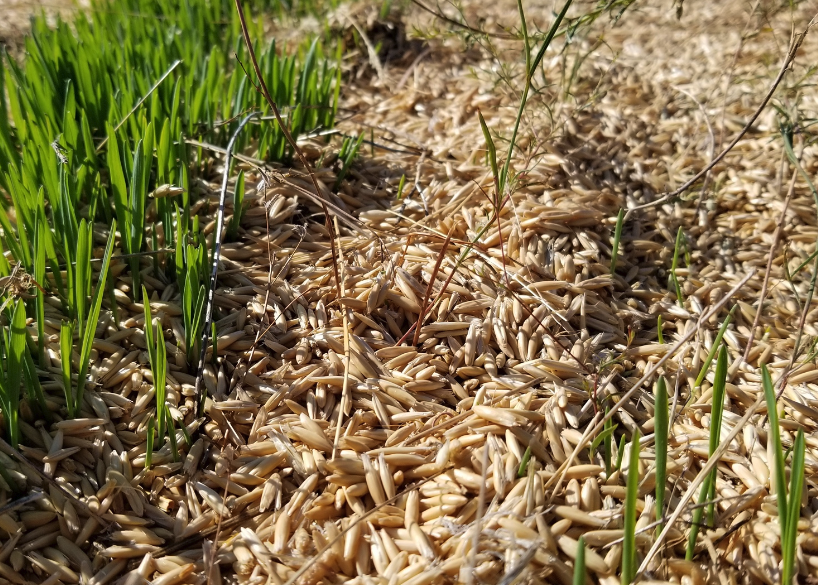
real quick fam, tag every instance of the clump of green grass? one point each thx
(789, 501)
(95, 126)
(85, 318)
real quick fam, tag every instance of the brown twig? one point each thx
(796, 44)
(765, 283)
(430, 286)
(293, 143)
(463, 26)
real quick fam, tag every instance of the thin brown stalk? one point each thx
(770, 257)
(430, 286)
(796, 44)
(266, 93)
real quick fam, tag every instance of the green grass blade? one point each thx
(629, 521)
(717, 413)
(716, 344)
(660, 430)
(491, 148)
(66, 346)
(673, 277)
(15, 359)
(579, 563)
(789, 531)
(149, 442)
(93, 318)
(774, 435)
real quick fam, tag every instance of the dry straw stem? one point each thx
(794, 46)
(559, 476)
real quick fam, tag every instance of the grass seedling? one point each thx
(620, 452)
(629, 521)
(579, 563)
(85, 322)
(659, 333)
(238, 208)
(605, 439)
(789, 504)
(523, 470)
(716, 344)
(14, 346)
(708, 488)
(347, 155)
(401, 185)
(679, 241)
(617, 238)
(660, 434)
(159, 363)
(149, 441)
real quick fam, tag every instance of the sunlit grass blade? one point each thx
(629, 564)
(660, 433)
(66, 346)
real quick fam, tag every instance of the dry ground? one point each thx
(393, 461)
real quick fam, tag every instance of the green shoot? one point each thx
(88, 325)
(66, 344)
(14, 343)
(708, 488)
(659, 332)
(347, 155)
(712, 353)
(679, 241)
(607, 443)
(158, 358)
(401, 185)
(629, 521)
(523, 470)
(149, 441)
(660, 434)
(238, 208)
(617, 238)
(620, 453)
(604, 438)
(579, 563)
(789, 504)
